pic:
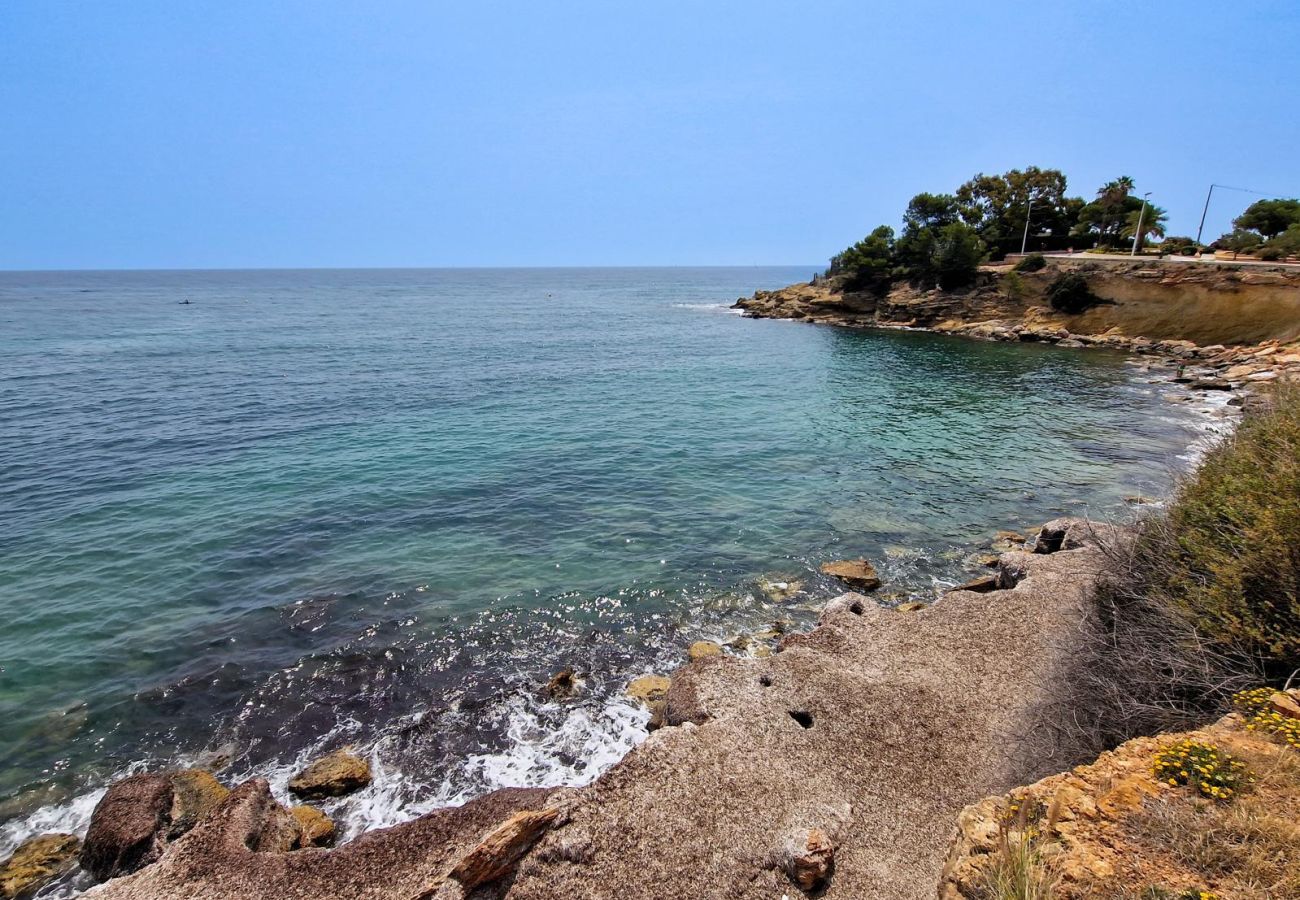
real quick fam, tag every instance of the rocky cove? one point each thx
(837, 765)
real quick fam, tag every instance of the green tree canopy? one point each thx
(1153, 223)
(1269, 217)
(1107, 217)
(868, 265)
(998, 206)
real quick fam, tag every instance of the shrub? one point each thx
(1213, 773)
(1227, 558)
(1069, 293)
(1013, 284)
(1031, 263)
(1269, 253)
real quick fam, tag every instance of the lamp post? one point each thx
(1203, 213)
(1142, 215)
(1024, 241)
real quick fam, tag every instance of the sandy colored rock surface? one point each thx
(317, 828)
(35, 863)
(339, 773)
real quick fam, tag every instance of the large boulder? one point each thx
(339, 773)
(141, 815)
(856, 573)
(36, 863)
(129, 827)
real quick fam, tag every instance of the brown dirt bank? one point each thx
(842, 761)
(1204, 303)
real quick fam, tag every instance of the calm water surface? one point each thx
(381, 507)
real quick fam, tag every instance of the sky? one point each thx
(317, 133)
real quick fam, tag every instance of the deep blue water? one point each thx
(383, 506)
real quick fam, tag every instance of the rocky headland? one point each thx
(1225, 324)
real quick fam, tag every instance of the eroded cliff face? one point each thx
(1198, 302)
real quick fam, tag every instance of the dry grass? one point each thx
(1249, 848)
(1019, 871)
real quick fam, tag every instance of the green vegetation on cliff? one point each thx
(1228, 556)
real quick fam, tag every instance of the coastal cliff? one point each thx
(1143, 303)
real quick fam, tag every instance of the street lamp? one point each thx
(1142, 215)
(1024, 241)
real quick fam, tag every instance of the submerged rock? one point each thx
(129, 827)
(339, 773)
(317, 829)
(35, 863)
(563, 684)
(856, 573)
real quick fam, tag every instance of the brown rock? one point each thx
(36, 863)
(195, 793)
(128, 829)
(984, 584)
(498, 852)
(808, 857)
(317, 828)
(856, 573)
(649, 688)
(339, 773)
(562, 684)
(1284, 705)
(701, 649)
(911, 606)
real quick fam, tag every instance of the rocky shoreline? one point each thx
(838, 763)
(1139, 300)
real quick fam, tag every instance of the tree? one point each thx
(1153, 223)
(998, 206)
(1107, 216)
(1269, 217)
(958, 253)
(868, 265)
(1288, 241)
(1239, 241)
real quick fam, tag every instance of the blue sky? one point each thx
(248, 134)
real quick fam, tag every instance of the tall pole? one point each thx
(1203, 212)
(1024, 241)
(1142, 215)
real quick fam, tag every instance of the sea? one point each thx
(252, 516)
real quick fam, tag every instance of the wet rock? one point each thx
(779, 591)
(808, 857)
(982, 585)
(911, 606)
(339, 773)
(563, 684)
(317, 829)
(701, 649)
(128, 829)
(195, 793)
(1211, 384)
(856, 573)
(648, 688)
(35, 863)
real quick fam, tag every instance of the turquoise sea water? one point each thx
(383, 507)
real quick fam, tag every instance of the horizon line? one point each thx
(9, 271)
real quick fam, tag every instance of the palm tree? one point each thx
(1114, 192)
(1153, 224)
